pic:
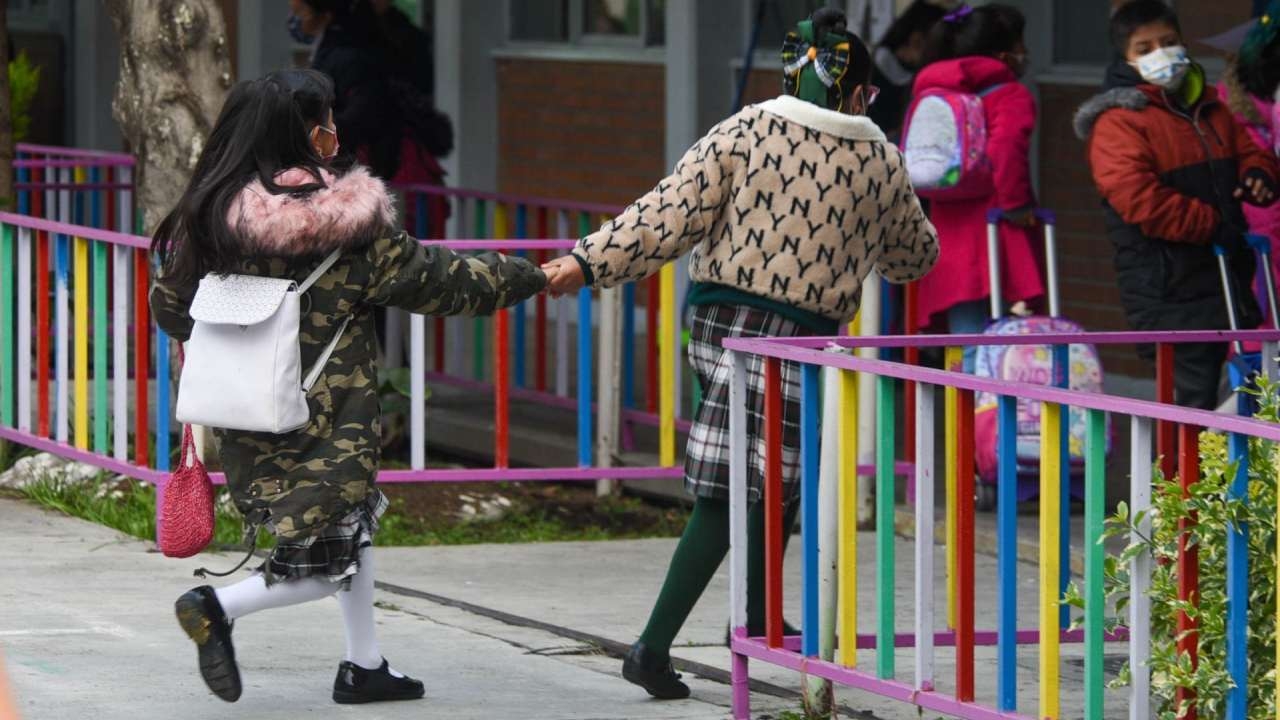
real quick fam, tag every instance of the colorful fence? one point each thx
(86, 375)
(829, 531)
(652, 378)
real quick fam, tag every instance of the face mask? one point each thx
(1164, 66)
(297, 33)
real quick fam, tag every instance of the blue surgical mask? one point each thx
(1165, 66)
(297, 33)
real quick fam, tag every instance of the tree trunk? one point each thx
(174, 73)
(7, 195)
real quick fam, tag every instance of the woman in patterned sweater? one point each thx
(786, 207)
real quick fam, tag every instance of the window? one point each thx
(780, 17)
(610, 22)
(1080, 32)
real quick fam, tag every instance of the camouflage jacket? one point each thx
(300, 482)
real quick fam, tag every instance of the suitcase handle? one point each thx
(1261, 245)
(1050, 221)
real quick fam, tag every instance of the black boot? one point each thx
(355, 685)
(644, 668)
(201, 617)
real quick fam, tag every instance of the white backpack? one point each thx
(243, 364)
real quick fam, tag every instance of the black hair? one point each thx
(262, 129)
(1133, 15)
(356, 16)
(919, 17)
(833, 20)
(987, 30)
(1261, 76)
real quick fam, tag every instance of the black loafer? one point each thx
(356, 685)
(201, 617)
(644, 668)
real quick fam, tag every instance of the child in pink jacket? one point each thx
(980, 51)
(1249, 88)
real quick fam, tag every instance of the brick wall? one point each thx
(589, 131)
(1088, 283)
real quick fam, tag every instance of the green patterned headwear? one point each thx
(1262, 34)
(812, 69)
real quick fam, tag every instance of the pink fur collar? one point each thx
(351, 210)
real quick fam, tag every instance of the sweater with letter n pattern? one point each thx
(784, 202)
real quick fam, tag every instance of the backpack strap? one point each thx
(314, 373)
(987, 91)
(320, 270)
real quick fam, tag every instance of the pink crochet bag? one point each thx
(186, 516)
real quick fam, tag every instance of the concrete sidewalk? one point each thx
(495, 631)
(87, 629)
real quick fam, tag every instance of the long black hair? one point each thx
(919, 17)
(263, 128)
(987, 30)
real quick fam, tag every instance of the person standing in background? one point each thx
(898, 57)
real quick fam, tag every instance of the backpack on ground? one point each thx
(243, 367)
(944, 139)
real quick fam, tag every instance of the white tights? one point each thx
(252, 595)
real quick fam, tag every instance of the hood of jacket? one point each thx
(969, 74)
(351, 209)
(1123, 87)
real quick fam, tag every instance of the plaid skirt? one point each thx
(706, 464)
(333, 554)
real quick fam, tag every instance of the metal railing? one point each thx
(829, 570)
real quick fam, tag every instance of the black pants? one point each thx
(1197, 372)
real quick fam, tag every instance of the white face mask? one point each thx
(1164, 66)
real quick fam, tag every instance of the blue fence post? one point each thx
(1238, 579)
(1062, 379)
(810, 455)
(162, 401)
(421, 218)
(1007, 555)
(629, 345)
(584, 377)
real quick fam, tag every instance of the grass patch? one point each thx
(610, 520)
(129, 506)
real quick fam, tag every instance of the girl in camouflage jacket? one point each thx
(263, 200)
(786, 206)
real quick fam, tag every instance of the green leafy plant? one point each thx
(1216, 514)
(24, 80)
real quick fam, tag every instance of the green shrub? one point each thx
(24, 80)
(1171, 671)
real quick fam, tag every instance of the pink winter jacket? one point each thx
(961, 272)
(1259, 118)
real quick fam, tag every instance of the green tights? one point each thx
(702, 548)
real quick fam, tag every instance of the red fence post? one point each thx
(1164, 393)
(773, 500)
(1188, 559)
(964, 546)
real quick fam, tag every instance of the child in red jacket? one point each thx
(980, 51)
(1172, 165)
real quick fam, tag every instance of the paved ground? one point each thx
(494, 631)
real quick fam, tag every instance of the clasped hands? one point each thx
(564, 276)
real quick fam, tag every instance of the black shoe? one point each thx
(355, 685)
(644, 668)
(788, 630)
(201, 617)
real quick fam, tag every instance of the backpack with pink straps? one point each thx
(944, 139)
